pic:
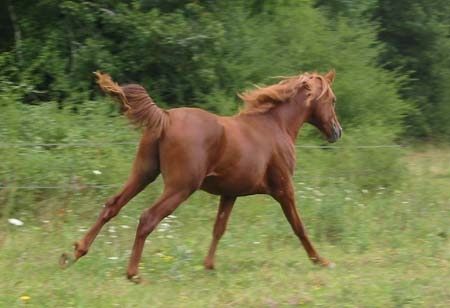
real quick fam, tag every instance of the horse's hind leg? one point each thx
(111, 208)
(225, 207)
(149, 219)
(145, 170)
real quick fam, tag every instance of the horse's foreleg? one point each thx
(225, 207)
(149, 219)
(287, 202)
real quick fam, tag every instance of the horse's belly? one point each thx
(233, 186)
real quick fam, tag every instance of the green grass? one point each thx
(390, 245)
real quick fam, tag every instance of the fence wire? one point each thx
(101, 144)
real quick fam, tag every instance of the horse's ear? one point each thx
(330, 76)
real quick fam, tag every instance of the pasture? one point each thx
(390, 243)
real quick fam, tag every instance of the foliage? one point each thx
(416, 36)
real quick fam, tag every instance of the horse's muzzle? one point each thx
(336, 132)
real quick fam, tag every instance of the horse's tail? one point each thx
(135, 103)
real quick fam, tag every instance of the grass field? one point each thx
(390, 245)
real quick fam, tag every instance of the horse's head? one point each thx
(322, 104)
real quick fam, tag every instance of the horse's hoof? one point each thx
(65, 260)
(323, 262)
(327, 264)
(208, 265)
(138, 280)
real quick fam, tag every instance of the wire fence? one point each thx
(100, 144)
(107, 186)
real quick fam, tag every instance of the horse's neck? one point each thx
(292, 115)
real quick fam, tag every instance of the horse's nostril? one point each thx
(337, 130)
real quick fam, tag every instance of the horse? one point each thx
(252, 152)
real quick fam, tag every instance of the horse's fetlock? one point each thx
(80, 250)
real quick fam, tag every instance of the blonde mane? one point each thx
(263, 99)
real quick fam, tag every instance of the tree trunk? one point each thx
(17, 32)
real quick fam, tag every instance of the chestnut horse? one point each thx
(252, 152)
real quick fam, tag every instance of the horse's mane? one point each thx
(265, 98)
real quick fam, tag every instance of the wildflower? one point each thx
(25, 297)
(113, 258)
(163, 227)
(125, 227)
(168, 258)
(15, 222)
(364, 191)
(97, 172)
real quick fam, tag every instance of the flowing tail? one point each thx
(135, 103)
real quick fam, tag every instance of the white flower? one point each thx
(97, 172)
(15, 222)
(113, 258)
